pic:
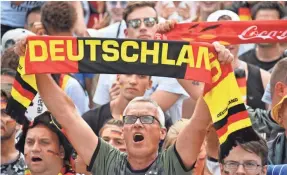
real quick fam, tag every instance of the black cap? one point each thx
(48, 120)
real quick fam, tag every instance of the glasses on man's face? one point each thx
(146, 119)
(251, 167)
(148, 22)
(122, 3)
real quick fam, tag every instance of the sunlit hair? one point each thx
(173, 132)
(161, 117)
(112, 122)
(279, 74)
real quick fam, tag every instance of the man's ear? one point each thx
(162, 133)
(264, 169)
(149, 83)
(280, 89)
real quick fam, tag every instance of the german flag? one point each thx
(24, 90)
(244, 14)
(240, 76)
(228, 111)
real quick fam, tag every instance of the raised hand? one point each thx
(103, 21)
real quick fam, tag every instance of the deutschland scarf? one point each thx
(178, 59)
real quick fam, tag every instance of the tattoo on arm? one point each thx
(196, 83)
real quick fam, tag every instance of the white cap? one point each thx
(10, 37)
(213, 17)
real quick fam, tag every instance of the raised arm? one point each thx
(63, 109)
(190, 139)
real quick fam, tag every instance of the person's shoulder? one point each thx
(96, 112)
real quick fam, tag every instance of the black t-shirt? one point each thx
(96, 118)
(251, 58)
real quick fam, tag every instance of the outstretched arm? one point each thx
(190, 139)
(63, 109)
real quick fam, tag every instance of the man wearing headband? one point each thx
(278, 146)
(12, 161)
(46, 149)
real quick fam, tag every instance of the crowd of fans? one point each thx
(138, 124)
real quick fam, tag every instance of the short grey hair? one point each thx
(279, 74)
(161, 117)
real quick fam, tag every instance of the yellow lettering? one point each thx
(203, 53)
(190, 58)
(164, 59)
(215, 64)
(54, 50)
(113, 51)
(32, 50)
(124, 49)
(80, 50)
(93, 50)
(154, 52)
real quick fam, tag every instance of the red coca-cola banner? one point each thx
(231, 32)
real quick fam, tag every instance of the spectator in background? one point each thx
(248, 158)
(199, 167)
(278, 84)
(242, 9)
(205, 8)
(33, 15)
(131, 86)
(112, 133)
(13, 13)
(97, 8)
(254, 79)
(176, 10)
(12, 161)
(113, 16)
(265, 55)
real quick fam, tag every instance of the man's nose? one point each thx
(138, 122)
(133, 79)
(240, 170)
(36, 147)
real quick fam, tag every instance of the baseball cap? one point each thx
(276, 109)
(10, 37)
(213, 17)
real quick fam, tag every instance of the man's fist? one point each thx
(224, 55)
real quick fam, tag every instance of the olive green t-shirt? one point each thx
(109, 161)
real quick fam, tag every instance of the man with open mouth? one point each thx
(12, 161)
(46, 149)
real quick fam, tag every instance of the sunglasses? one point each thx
(146, 119)
(148, 22)
(114, 3)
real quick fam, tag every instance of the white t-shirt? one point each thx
(105, 82)
(73, 89)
